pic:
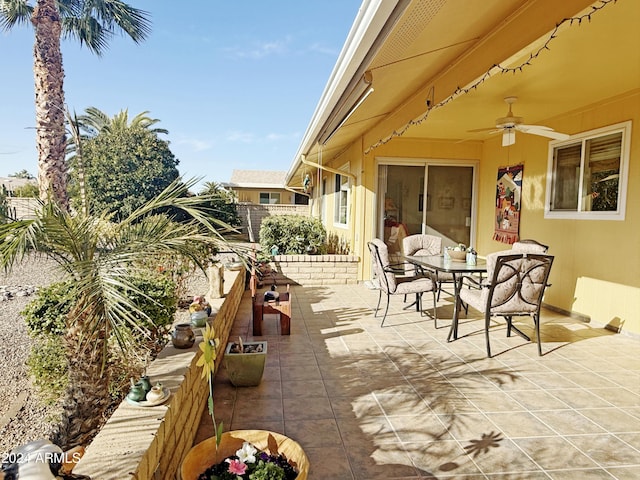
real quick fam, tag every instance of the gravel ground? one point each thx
(22, 417)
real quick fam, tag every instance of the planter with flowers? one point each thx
(240, 454)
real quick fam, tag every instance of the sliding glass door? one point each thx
(428, 198)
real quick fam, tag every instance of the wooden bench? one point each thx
(280, 306)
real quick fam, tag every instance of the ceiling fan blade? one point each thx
(542, 131)
(508, 137)
(490, 130)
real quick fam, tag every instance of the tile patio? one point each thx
(399, 402)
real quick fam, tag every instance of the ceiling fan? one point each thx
(509, 124)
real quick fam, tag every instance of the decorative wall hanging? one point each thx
(307, 184)
(508, 198)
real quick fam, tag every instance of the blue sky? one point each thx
(235, 83)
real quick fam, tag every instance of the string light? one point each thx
(495, 69)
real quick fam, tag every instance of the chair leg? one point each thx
(487, 320)
(386, 310)
(375, 312)
(511, 326)
(435, 317)
(536, 320)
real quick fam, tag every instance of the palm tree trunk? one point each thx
(49, 76)
(87, 397)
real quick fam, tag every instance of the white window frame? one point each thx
(272, 196)
(619, 214)
(337, 204)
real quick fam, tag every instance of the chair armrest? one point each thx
(395, 268)
(471, 282)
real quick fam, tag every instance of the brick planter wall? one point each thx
(149, 443)
(316, 270)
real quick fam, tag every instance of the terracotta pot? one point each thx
(204, 454)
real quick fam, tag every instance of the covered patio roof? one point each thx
(441, 68)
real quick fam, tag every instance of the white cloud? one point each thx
(316, 47)
(261, 50)
(248, 137)
(274, 137)
(243, 137)
(195, 144)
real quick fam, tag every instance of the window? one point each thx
(588, 175)
(341, 202)
(270, 198)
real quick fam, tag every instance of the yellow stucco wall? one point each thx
(253, 195)
(597, 263)
(596, 270)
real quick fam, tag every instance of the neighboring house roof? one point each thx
(439, 70)
(256, 179)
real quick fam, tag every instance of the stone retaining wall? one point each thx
(316, 270)
(149, 443)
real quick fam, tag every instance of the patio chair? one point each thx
(392, 284)
(529, 246)
(424, 244)
(515, 287)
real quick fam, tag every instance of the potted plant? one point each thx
(240, 454)
(245, 362)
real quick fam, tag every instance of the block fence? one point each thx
(149, 443)
(315, 270)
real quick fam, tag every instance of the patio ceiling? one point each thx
(437, 46)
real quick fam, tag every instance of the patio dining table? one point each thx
(458, 269)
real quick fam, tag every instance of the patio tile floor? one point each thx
(399, 402)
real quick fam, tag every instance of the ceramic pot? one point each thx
(183, 336)
(146, 383)
(136, 392)
(199, 318)
(246, 369)
(156, 393)
(203, 455)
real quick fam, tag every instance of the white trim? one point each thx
(344, 168)
(362, 41)
(625, 128)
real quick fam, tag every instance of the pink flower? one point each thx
(236, 467)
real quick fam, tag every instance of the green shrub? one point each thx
(293, 234)
(45, 317)
(160, 307)
(47, 364)
(46, 313)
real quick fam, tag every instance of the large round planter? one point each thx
(204, 454)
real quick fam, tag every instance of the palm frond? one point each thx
(14, 12)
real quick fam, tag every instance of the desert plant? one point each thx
(102, 258)
(337, 245)
(46, 317)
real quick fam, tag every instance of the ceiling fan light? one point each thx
(508, 137)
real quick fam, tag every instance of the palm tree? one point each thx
(93, 23)
(100, 258)
(95, 121)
